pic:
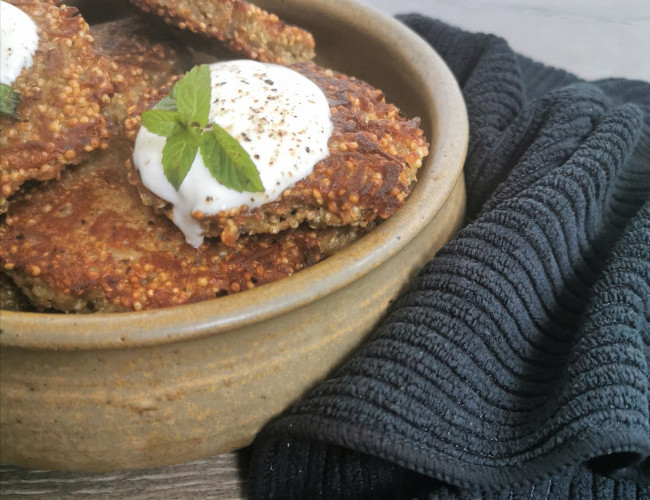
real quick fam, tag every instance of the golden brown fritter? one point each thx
(62, 94)
(374, 154)
(87, 243)
(242, 27)
(142, 57)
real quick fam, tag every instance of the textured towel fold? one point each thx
(516, 364)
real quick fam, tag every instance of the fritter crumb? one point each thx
(241, 26)
(11, 298)
(62, 93)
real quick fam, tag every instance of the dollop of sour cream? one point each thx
(282, 120)
(18, 42)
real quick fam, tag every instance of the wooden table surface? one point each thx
(591, 38)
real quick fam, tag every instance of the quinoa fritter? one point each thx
(62, 93)
(242, 27)
(87, 243)
(142, 58)
(374, 155)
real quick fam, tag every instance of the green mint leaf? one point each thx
(193, 95)
(228, 162)
(167, 103)
(164, 123)
(179, 153)
(9, 101)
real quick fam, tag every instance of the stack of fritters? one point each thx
(59, 117)
(86, 242)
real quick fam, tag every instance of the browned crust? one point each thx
(60, 118)
(142, 59)
(87, 243)
(374, 154)
(241, 26)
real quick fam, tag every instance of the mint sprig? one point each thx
(9, 101)
(182, 117)
(179, 152)
(228, 162)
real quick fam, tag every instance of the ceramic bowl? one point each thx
(134, 390)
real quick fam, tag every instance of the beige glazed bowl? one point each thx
(134, 390)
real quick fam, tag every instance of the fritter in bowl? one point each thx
(62, 93)
(244, 28)
(374, 155)
(142, 58)
(87, 243)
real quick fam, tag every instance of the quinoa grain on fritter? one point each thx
(62, 93)
(241, 26)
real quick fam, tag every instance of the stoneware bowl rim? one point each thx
(33, 330)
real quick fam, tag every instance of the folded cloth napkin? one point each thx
(516, 364)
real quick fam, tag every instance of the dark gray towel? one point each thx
(516, 364)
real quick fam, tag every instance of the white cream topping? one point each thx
(282, 120)
(18, 42)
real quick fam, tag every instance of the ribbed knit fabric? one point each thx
(516, 364)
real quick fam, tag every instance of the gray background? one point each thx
(591, 38)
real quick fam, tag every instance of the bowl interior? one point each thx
(357, 41)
